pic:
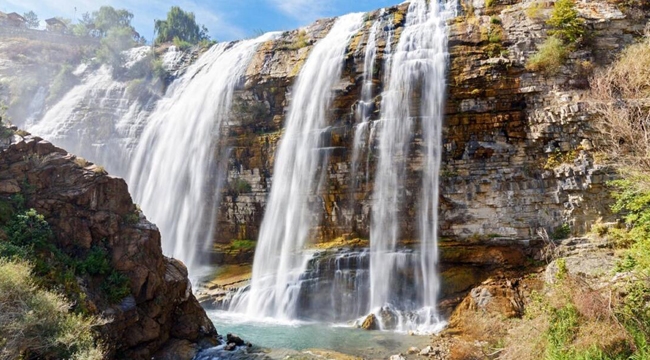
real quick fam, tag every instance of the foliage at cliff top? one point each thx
(31, 20)
(180, 26)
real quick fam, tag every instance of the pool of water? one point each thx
(298, 337)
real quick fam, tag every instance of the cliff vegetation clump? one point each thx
(567, 31)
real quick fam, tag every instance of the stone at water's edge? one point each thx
(370, 323)
(161, 318)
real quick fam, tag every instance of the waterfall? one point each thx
(173, 174)
(365, 106)
(279, 259)
(418, 63)
(100, 118)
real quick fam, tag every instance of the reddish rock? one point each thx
(87, 208)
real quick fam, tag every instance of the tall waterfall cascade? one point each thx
(174, 171)
(418, 63)
(280, 260)
(100, 118)
(170, 149)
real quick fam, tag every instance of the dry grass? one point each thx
(81, 161)
(549, 58)
(525, 340)
(620, 96)
(36, 324)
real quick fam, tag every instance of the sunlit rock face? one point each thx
(517, 158)
(502, 130)
(86, 208)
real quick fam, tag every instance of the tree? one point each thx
(31, 20)
(182, 25)
(107, 18)
(565, 22)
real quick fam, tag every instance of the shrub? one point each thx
(620, 96)
(300, 41)
(116, 287)
(158, 70)
(35, 323)
(181, 44)
(29, 238)
(241, 186)
(96, 262)
(561, 232)
(566, 24)
(535, 10)
(29, 229)
(549, 58)
(632, 200)
(61, 83)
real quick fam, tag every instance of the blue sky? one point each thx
(225, 19)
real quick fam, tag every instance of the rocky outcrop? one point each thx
(86, 208)
(518, 155)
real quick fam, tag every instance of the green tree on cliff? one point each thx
(31, 20)
(180, 25)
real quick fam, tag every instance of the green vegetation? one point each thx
(567, 26)
(242, 244)
(550, 56)
(31, 20)
(561, 232)
(240, 186)
(535, 10)
(180, 26)
(35, 323)
(558, 158)
(633, 203)
(299, 42)
(250, 113)
(30, 239)
(61, 83)
(567, 30)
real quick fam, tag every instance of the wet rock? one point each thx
(230, 347)
(397, 357)
(389, 318)
(370, 323)
(413, 350)
(230, 338)
(427, 351)
(177, 350)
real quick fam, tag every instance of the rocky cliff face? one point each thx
(517, 150)
(160, 318)
(518, 166)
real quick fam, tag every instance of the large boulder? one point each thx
(87, 208)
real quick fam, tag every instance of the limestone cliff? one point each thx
(517, 149)
(160, 317)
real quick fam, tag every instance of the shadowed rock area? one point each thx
(85, 207)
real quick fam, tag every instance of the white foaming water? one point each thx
(279, 259)
(99, 118)
(419, 62)
(173, 174)
(365, 105)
